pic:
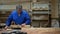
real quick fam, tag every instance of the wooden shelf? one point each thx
(1, 24)
(3, 17)
(39, 6)
(41, 9)
(40, 2)
(40, 12)
(14, 1)
(40, 19)
(39, 23)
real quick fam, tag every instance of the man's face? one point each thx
(19, 10)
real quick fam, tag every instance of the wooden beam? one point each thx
(54, 8)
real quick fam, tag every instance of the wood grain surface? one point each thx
(39, 30)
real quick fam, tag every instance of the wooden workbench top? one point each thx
(40, 30)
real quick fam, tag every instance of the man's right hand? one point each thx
(6, 27)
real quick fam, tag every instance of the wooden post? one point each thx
(54, 8)
(54, 13)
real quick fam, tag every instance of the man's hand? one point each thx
(23, 25)
(6, 27)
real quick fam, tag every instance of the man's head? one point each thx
(19, 8)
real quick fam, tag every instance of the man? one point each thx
(19, 16)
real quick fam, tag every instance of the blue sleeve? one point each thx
(28, 20)
(8, 22)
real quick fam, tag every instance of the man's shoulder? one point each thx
(24, 11)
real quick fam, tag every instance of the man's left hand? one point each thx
(23, 25)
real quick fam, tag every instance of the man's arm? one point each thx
(27, 18)
(8, 22)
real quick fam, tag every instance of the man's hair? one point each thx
(19, 7)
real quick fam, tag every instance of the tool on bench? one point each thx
(16, 29)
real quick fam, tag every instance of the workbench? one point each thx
(39, 30)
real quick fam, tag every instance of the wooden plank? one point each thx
(54, 8)
(38, 30)
(42, 30)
